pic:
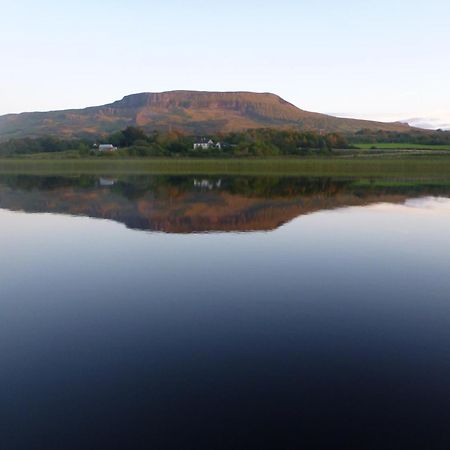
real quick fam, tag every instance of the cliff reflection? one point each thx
(190, 204)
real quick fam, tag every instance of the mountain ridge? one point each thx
(190, 112)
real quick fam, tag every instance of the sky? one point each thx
(375, 59)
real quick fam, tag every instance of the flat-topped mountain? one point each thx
(190, 112)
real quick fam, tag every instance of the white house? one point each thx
(106, 148)
(207, 145)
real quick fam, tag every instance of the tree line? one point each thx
(133, 141)
(438, 137)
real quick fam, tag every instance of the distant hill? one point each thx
(189, 112)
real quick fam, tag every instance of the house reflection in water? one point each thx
(207, 184)
(106, 182)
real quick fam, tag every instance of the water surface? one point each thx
(224, 312)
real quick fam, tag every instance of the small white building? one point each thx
(207, 145)
(106, 148)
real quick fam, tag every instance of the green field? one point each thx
(417, 166)
(402, 146)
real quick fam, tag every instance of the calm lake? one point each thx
(191, 312)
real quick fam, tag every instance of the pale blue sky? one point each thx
(376, 59)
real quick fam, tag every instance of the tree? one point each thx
(131, 135)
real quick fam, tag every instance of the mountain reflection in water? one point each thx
(195, 204)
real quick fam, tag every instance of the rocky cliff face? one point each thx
(269, 106)
(190, 112)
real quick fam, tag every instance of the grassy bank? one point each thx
(426, 166)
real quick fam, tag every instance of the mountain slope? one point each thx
(190, 112)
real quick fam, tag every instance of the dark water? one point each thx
(224, 313)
